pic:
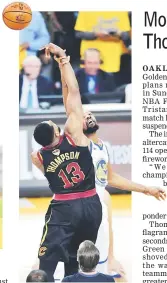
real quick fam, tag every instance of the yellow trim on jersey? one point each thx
(46, 229)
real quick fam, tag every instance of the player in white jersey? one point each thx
(104, 243)
(105, 175)
(101, 159)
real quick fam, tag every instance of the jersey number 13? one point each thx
(77, 175)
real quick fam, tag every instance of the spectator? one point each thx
(63, 34)
(35, 36)
(37, 276)
(88, 258)
(91, 78)
(124, 76)
(32, 84)
(105, 31)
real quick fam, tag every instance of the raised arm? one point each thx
(73, 105)
(72, 99)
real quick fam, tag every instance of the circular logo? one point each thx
(101, 171)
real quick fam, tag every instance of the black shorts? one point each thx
(67, 224)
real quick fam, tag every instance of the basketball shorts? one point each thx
(67, 224)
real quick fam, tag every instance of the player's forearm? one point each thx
(70, 79)
(64, 90)
(122, 183)
(73, 102)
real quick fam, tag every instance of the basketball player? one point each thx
(75, 212)
(105, 175)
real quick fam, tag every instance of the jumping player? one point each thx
(75, 212)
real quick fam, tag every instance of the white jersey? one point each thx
(100, 160)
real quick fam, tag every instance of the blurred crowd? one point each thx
(99, 45)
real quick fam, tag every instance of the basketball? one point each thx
(17, 15)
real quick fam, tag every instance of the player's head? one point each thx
(46, 132)
(92, 61)
(88, 256)
(90, 125)
(37, 276)
(32, 67)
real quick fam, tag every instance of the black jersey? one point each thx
(68, 168)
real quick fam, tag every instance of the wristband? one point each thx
(62, 60)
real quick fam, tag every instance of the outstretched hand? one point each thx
(158, 193)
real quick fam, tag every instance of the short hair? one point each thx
(30, 59)
(44, 134)
(37, 276)
(92, 50)
(88, 256)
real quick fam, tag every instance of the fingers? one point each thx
(122, 271)
(47, 50)
(47, 53)
(160, 196)
(45, 46)
(163, 196)
(158, 193)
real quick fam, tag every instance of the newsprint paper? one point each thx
(118, 53)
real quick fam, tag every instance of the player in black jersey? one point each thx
(75, 213)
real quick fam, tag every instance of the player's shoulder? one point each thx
(106, 277)
(101, 145)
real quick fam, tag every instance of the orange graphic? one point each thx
(17, 15)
